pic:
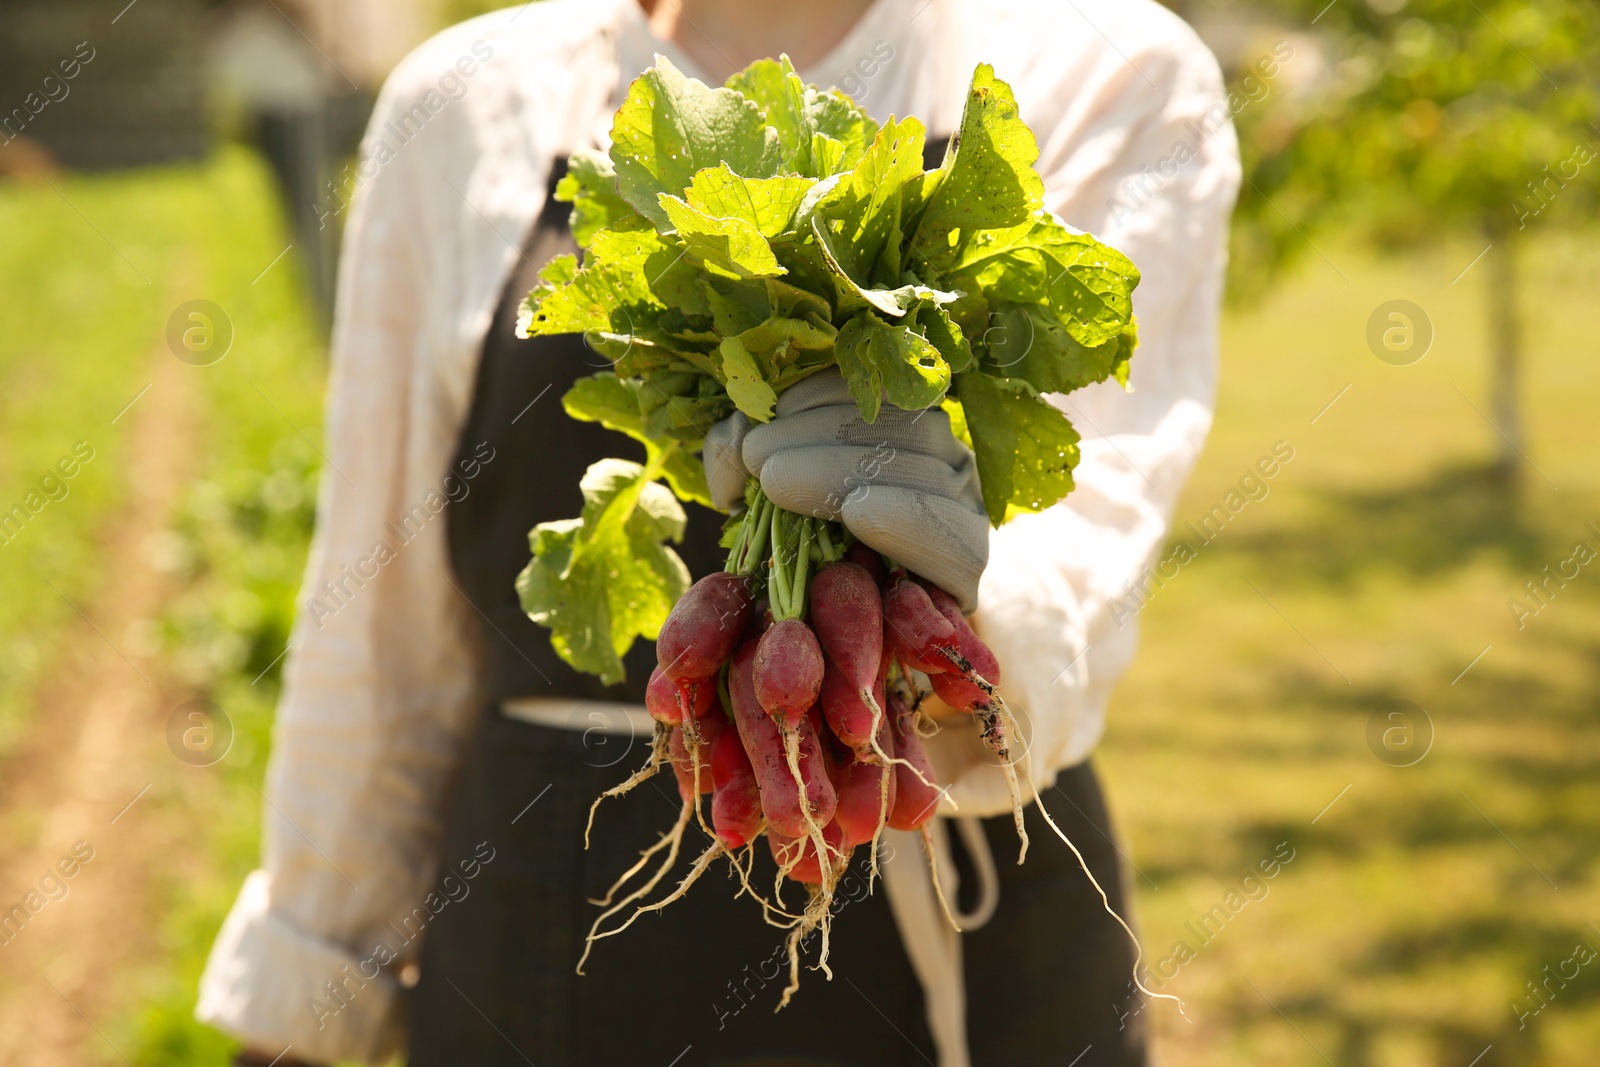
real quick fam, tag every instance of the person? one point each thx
(424, 885)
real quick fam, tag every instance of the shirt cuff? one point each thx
(272, 984)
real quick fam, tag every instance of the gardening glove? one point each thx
(904, 485)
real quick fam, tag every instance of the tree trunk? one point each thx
(1505, 338)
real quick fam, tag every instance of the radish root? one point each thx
(658, 755)
(791, 749)
(712, 851)
(887, 761)
(818, 916)
(768, 909)
(998, 725)
(1105, 901)
(675, 839)
(933, 871)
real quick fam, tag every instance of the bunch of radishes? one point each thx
(787, 689)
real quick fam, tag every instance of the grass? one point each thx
(1377, 569)
(1419, 900)
(238, 543)
(80, 322)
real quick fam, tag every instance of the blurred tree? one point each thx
(1437, 117)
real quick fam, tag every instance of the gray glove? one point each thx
(904, 484)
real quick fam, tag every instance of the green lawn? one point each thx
(1378, 566)
(86, 314)
(80, 323)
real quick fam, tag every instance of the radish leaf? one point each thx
(1026, 448)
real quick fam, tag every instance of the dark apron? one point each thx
(695, 984)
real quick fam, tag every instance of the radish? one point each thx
(683, 766)
(916, 633)
(952, 688)
(665, 699)
(787, 675)
(860, 786)
(765, 747)
(728, 760)
(869, 561)
(847, 615)
(849, 716)
(798, 855)
(736, 806)
(703, 628)
(788, 670)
(915, 797)
(736, 811)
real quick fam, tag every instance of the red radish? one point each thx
(736, 807)
(683, 765)
(665, 699)
(915, 800)
(849, 716)
(703, 628)
(818, 722)
(915, 631)
(728, 760)
(736, 810)
(788, 671)
(661, 698)
(860, 788)
(807, 870)
(847, 616)
(763, 744)
(711, 728)
(952, 688)
(868, 560)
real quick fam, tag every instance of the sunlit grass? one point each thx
(1377, 569)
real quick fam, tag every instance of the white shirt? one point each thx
(380, 696)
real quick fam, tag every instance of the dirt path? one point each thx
(92, 770)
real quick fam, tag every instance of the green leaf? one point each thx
(670, 127)
(767, 203)
(1028, 342)
(988, 180)
(630, 275)
(934, 323)
(736, 305)
(1026, 448)
(894, 302)
(590, 186)
(601, 581)
(774, 339)
(859, 219)
(1127, 344)
(1086, 284)
(688, 418)
(736, 246)
(821, 132)
(895, 363)
(746, 387)
(614, 402)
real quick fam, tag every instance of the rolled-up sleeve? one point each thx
(1139, 149)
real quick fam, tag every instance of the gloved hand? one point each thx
(904, 484)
